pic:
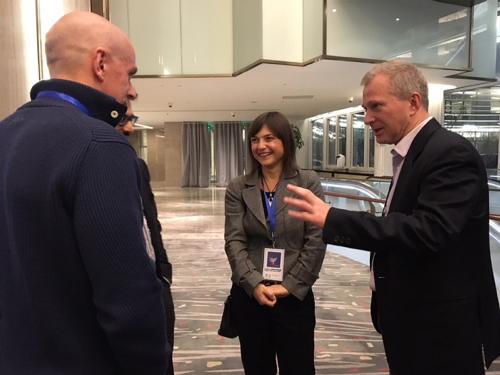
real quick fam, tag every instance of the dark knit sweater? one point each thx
(78, 294)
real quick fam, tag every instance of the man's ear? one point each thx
(99, 63)
(415, 102)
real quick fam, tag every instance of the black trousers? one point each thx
(433, 338)
(284, 333)
(168, 304)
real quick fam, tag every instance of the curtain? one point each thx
(195, 154)
(229, 151)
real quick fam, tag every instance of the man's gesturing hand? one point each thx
(310, 208)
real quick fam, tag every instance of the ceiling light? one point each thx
(451, 40)
(405, 55)
(334, 10)
(138, 126)
(297, 97)
(454, 16)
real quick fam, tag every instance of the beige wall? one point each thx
(156, 154)
(19, 43)
(173, 154)
(163, 153)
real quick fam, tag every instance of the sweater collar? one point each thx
(101, 106)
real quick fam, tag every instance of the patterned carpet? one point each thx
(193, 222)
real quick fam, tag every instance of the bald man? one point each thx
(78, 294)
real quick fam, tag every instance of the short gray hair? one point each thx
(405, 79)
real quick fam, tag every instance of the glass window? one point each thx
(342, 135)
(213, 146)
(348, 143)
(358, 140)
(371, 144)
(475, 114)
(317, 144)
(332, 141)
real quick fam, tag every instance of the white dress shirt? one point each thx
(398, 157)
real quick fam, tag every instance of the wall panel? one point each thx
(22, 37)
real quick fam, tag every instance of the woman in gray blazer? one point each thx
(274, 259)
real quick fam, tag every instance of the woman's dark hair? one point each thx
(280, 127)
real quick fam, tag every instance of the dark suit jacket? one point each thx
(247, 234)
(163, 266)
(432, 264)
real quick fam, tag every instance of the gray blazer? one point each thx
(247, 233)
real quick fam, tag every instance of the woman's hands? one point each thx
(279, 290)
(268, 295)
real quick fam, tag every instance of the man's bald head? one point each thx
(86, 48)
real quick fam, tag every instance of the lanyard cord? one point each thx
(273, 191)
(271, 207)
(67, 98)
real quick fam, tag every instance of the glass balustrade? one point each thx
(353, 193)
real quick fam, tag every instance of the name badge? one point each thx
(274, 260)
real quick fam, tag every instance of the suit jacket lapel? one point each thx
(416, 148)
(253, 199)
(282, 192)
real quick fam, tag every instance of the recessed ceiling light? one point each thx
(142, 127)
(334, 10)
(298, 97)
(397, 19)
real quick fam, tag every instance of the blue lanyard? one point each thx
(271, 214)
(66, 98)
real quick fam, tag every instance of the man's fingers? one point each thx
(298, 203)
(316, 217)
(301, 215)
(301, 192)
(304, 195)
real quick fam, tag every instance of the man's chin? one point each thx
(382, 141)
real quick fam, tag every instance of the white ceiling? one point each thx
(263, 88)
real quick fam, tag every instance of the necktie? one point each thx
(397, 162)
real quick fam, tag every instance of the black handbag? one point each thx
(227, 324)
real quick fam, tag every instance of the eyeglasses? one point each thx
(132, 118)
